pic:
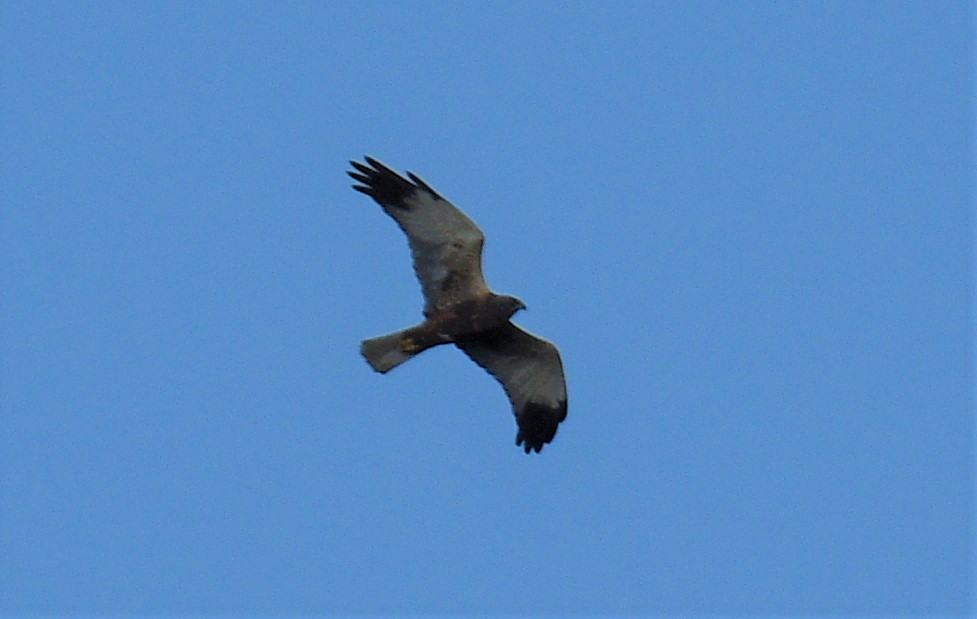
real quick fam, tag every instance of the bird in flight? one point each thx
(459, 308)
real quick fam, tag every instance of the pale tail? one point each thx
(386, 352)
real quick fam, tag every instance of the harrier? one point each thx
(459, 308)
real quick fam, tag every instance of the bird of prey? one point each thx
(459, 308)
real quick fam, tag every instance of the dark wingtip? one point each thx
(366, 170)
(381, 183)
(529, 446)
(538, 424)
(420, 183)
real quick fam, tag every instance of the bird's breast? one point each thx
(467, 317)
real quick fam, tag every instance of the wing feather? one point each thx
(531, 373)
(446, 246)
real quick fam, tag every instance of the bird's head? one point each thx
(509, 305)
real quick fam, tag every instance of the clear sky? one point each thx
(749, 227)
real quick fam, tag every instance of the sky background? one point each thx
(749, 227)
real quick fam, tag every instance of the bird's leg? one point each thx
(423, 336)
(408, 345)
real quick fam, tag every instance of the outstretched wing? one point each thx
(531, 373)
(445, 244)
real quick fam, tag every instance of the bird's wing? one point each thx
(445, 244)
(531, 373)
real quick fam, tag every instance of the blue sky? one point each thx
(748, 227)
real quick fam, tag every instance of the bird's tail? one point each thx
(386, 352)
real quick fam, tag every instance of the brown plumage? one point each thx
(459, 308)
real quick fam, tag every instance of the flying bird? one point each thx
(459, 308)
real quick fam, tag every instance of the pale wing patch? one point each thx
(531, 373)
(446, 246)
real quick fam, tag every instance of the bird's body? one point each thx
(444, 325)
(459, 308)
